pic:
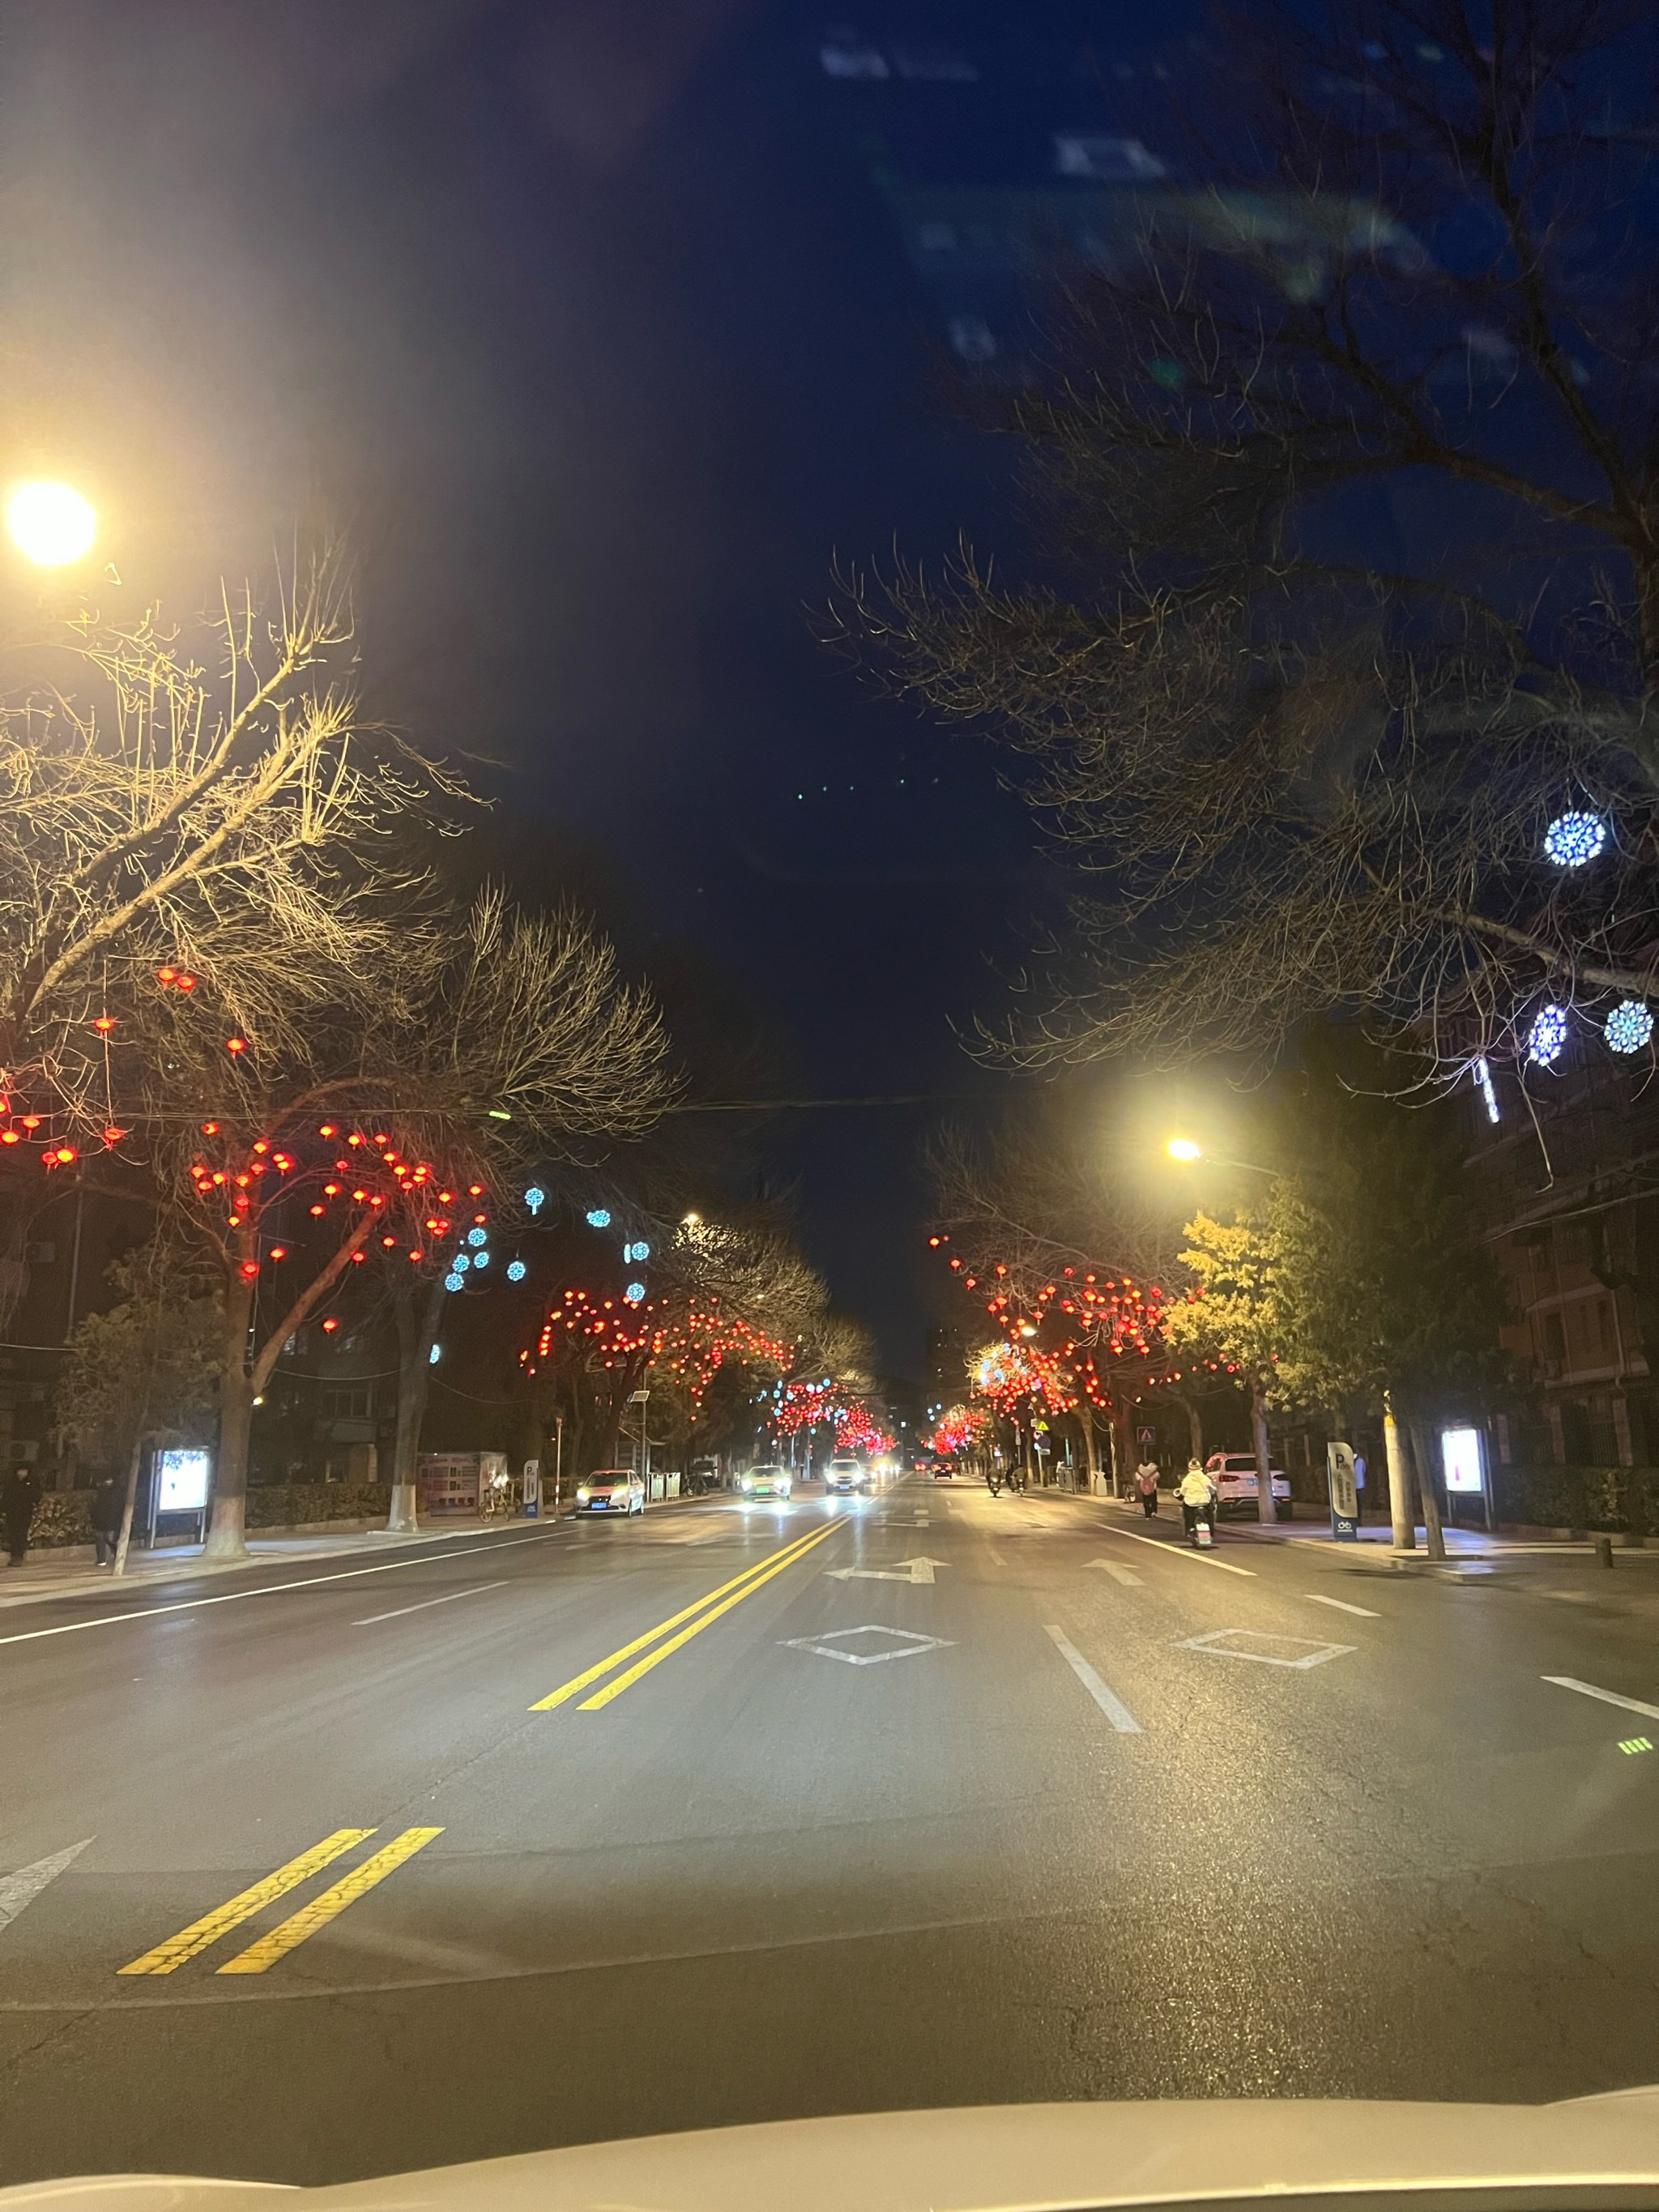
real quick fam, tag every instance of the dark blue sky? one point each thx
(591, 323)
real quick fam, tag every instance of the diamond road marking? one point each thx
(905, 1645)
(1311, 1655)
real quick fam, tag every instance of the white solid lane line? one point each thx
(1114, 1707)
(1126, 1575)
(1180, 1551)
(1341, 1604)
(1607, 1697)
(448, 1598)
(274, 1589)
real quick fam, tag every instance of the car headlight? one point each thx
(583, 1497)
(748, 1482)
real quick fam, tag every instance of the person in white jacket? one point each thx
(1197, 1493)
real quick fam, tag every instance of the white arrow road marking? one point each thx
(21, 1889)
(1180, 1551)
(914, 1571)
(1113, 1706)
(1125, 1575)
(1607, 1697)
(1341, 1604)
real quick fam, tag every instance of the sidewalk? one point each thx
(42, 1576)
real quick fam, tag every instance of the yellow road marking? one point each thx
(666, 1651)
(580, 1681)
(200, 1933)
(309, 1918)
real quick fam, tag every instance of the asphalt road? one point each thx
(315, 1875)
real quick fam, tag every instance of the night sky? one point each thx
(588, 323)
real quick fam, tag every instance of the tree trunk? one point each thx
(1432, 1531)
(1086, 1422)
(227, 1538)
(1400, 1481)
(128, 1504)
(1194, 1427)
(418, 1323)
(1264, 1478)
(1123, 1447)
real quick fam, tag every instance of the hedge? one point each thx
(1574, 1496)
(64, 1517)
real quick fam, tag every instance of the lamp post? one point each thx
(49, 523)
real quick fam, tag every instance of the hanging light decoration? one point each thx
(516, 1271)
(535, 1197)
(634, 1293)
(1573, 840)
(1629, 1026)
(477, 1237)
(599, 1216)
(454, 1282)
(1547, 1036)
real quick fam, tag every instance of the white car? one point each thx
(846, 1474)
(1237, 1488)
(766, 1482)
(612, 1489)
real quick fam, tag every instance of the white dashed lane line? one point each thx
(1112, 1705)
(1341, 1604)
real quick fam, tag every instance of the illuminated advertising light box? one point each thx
(182, 1481)
(1460, 1458)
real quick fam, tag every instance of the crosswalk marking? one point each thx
(167, 1957)
(310, 1917)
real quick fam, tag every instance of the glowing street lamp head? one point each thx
(1184, 1148)
(50, 524)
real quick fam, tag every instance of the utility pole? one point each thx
(1399, 1482)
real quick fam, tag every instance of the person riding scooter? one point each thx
(1198, 1497)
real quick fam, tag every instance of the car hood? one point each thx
(1604, 2150)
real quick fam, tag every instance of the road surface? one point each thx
(565, 1833)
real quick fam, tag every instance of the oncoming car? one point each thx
(846, 1475)
(766, 1482)
(612, 1489)
(1235, 1485)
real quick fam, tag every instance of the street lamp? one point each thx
(50, 524)
(1184, 1148)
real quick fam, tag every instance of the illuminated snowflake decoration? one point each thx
(636, 1251)
(452, 1282)
(516, 1271)
(535, 1197)
(481, 1259)
(1547, 1036)
(1629, 1026)
(1573, 841)
(634, 1293)
(599, 1217)
(460, 1263)
(477, 1237)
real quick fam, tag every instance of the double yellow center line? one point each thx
(690, 1621)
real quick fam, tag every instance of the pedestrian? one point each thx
(1146, 1485)
(109, 1501)
(20, 1493)
(1197, 1494)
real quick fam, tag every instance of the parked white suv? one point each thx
(1237, 1489)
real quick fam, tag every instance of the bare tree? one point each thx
(208, 806)
(1298, 769)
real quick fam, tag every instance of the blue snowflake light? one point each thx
(481, 1259)
(1547, 1036)
(452, 1282)
(434, 1355)
(634, 1293)
(477, 1237)
(516, 1271)
(1629, 1026)
(535, 1197)
(460, 1263)
(599, 1217)
(636, 1251)
(1573, 841)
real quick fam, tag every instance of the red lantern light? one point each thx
(113, 1136)
(184, 983)
(318, 1209)
(64, 1155)
(250, 1269)
(210, 1128)
(104, 1022)
(329, 1326)
(9, 1137)
(234, 1045)
(358, 1259)
(164, 975)
(279, 1251)
(327, 1129)
(475, 1190)
(30, 1121)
